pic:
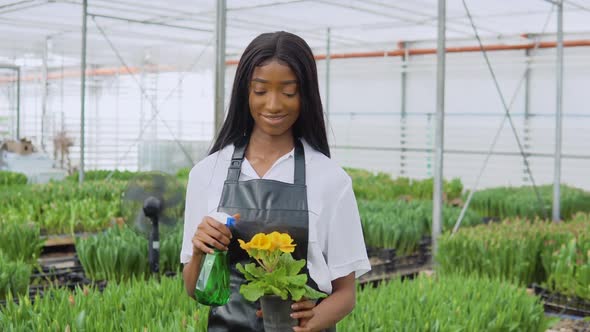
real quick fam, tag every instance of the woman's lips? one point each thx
(273, 119)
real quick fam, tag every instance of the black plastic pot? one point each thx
(276, 314)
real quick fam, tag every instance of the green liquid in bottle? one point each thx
(213, 282)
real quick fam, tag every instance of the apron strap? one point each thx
(299, 177)
(235, 167)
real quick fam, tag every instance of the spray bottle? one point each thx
(213, 283)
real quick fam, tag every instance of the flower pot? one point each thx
(276, 314)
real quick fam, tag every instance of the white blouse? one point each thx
(336, 246)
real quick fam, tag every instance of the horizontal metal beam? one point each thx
(149, 23)
(13, 67)
(458, 151)
(369, 114)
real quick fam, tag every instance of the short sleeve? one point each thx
(194, 211)
(346, 251)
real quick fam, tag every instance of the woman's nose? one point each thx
(273, 103)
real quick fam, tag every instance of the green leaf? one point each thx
(280, 292)
(296, 293)
(255, 271)
(293, 267)
(252, 291)
(298, 280)
(311, 293)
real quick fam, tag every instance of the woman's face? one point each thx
(274, 99)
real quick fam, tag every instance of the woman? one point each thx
(271, 164)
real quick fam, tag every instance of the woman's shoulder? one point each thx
(321, 168)
(203, 170)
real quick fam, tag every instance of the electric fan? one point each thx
(153, 204)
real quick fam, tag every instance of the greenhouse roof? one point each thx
(178, 31)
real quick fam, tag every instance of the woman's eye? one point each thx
(290, 95)
(259, 93)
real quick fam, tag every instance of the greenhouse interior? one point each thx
(462, 125)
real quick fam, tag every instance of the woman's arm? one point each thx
(331, 310)
(190, 273)
(210, 234)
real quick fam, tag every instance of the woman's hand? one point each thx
(211, 234)
(304, 311)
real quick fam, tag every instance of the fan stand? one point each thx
(152, 207)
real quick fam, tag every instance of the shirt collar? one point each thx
(228, 150)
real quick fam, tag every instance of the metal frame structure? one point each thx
(401, 15)
(17, 69)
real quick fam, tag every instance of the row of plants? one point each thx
(555, 255)
(104, 174)
(450, 303)
(120, 254)
(569, 268)
(506, 202)
(20, 246)
(133, 305)
(14, 276)
(63, 207)
(401, 225)
(21, 242)
(380, 186)
(8, 178)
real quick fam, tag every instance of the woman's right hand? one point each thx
(211, 234)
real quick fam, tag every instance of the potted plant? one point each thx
(275, 279)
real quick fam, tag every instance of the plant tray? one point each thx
(382, 254)
(562, 304)
(411, 260)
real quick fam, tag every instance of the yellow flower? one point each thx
(244, 245)
(284, 242)
(260, 241)
(275, 240)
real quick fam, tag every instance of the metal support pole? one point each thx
(18, 104)
(44, 87)
(437, 205)
(327, 100)
(527, 106)
(83, 90)
(220, 65)
(403, 115)
(559, 109)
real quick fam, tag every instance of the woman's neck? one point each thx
(269, 145)
(264, 150)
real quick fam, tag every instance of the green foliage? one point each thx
(446, 304)
(284, 281)
(170, 246)
(12, 178)
(380, 186)
(183, 173)
(401, 225)
(523, 252)
(102, 174)
(63, 207)
(120, 254)
(14, 277)
(117, 254)
(136, 305)
(569, 270)
(506, 202)
(21, 242)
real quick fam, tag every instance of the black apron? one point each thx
(264, 206)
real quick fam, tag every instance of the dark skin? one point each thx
(274, 102)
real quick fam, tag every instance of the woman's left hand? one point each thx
(303, 311)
